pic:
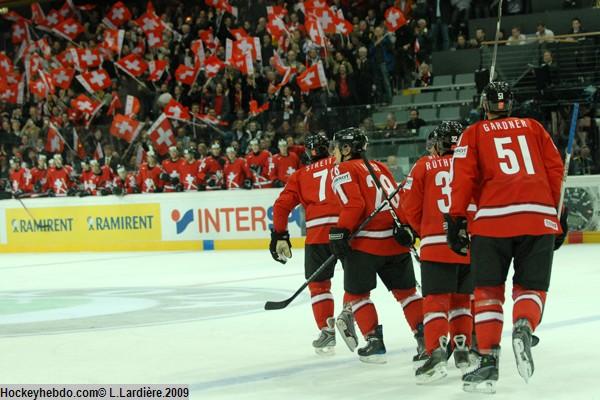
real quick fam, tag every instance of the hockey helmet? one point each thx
(356, 138)
(317, 147)
(446, 136)
(497, 97)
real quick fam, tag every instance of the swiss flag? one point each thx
(245, 45)
(37, 14)
(276, 11)
(208, 38)
(66, 57)
(132, 64)
(222, 5)
(342, 26)
(20, 31)
(69, 29)
(156, 68)
(89, 58)
(84, 104)
(117, 16)
(149, 22)
(12, 93)
(394, 19)
(95, 80)
(6, 64)
(326, 18)
(39, 88)
(162, 135)
(113, 40)
(239, 33)
(47, 81)
(255, 109)
(114, 105)
(44, 47)
(54, 141)
(315, 32)
(53, 18)
(125, 127)
(198, 50)
(155, 38)
(312, 78)
(311, 5)
(276, 26)
(62, 77)
(242, 62)
(212, 66)
(176, 110)
(279, 67)
(132, 105)
(66, 10)
(185, 74)
(78, 146)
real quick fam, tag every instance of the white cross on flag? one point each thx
(326, 19)
(161, 134)
(113, 40)
(95, 80)
(62, 77)
(276, 11)
(53, 18)
(198, 50)
(132, 64)
(44, 47)
(342, 26)
(222, 5)
(68, 29)
(117, 15)
(38, 88)
(212, 66)
(394, 19)
(37, 14)
(315, 32)
(89, 58)
(149, 21)
(176, 110)
(276, 27)
(155, 38)
(186, 75)
(84, 104)
(6, 64)
(54, 141)
(156, 68)
(242, 62)
(125, 127)
(20, 31)
(312, 78)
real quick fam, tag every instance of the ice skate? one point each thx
(421, 357)
(521, 339)
(374, 350)
(482, 374)
(345, 326)
(325, 344)
(461, 352)
(435, 368)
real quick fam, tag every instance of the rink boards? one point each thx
(218, 220)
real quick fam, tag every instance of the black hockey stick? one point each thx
(35, 222)
(278, 305)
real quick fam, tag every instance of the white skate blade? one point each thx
(373, 359)
(486, 387)
(327, 351)
(524, 363)
(350, 341)
(440, 371)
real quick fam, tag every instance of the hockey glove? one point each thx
(560, 239)
(456, 234)
(339, 242)
(118, 191)
(201, 187)
(404, 235)
(164, 177)
(17, 194)
(71, 192)
(175, 180)
(51, 193)
(280, 246)
(136, 190)
(248, 184)
(277, 183)
(84, 193)
(179, 187)
(105, 191)
(37, 187)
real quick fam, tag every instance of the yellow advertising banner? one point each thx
(83, 227)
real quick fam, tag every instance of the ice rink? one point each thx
(197, 318)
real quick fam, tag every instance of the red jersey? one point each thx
(425, 200)
(172, 169)
(284, 166)
(236, 173)
(188, 175)
(39, 175)
(211, 172)
(128, 184)
(513, 171)
(260, 163)
(311, 187)
(148, 178)
(59, 179)
(297, 149)
(358, 196)
(93, 182)
(21, 180)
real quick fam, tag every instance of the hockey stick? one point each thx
(495, 52)
(392, 212)
(35, 222)
(563, 185)
(278, 305)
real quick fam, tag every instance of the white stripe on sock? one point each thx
(360, 304)
(459, 312)
(489, 316)
(533, 297)
(434, 315)
(410, 299)
(321, 297)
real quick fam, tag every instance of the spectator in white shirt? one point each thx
(516, 37)
(543, 34)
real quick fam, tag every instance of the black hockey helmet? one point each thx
(317, 147)
(446, 136)
(430, 141)
(497, 97)
(356, 138)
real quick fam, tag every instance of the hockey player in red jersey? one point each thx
(311, 187)
(236, 172)
(59, 181)
(86, 174)
(211, 169)
(260, 164)
(285, 164)
(38, 174)
(189, 171)
(124, 182)
(446, 277)
(380, 249)
(148, 178)
(20, 178)
(97, 181)
(513, 171)
(171, 167)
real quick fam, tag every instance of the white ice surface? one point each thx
(197, 318)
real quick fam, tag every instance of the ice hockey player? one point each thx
(211, 169)
(38, 174)
(380, 249)
(86, 174)
(260, 163)
(148, 178)
(59, 178)
(513, 170)
(20, 178)
(446, 278)
(188, 171)
(285, 164)
(99, 182)
(124, 182)
(171, 167)
(311, 187)
(236, 172)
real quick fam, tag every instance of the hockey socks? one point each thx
(460, 318)
(489, 316)
(364, 312)
(435, 308)
(529, 305)
(322, 302)
(412, 304)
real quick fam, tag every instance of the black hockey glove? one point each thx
(84, 193)
(560, 239)
(179, 187)
(37, 187)
(201, 187)
(164, 177)
(405, 235)
(72, 191)
(339, 242)
(277, 183)
(17, 194)
(456, 234)
(136, 189)
(248, 184)
(51, 193)
(118, 191)
(280, 246)
(158, 190)
(175, 180)
(105, 191)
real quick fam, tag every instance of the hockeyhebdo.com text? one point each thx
(34, 392)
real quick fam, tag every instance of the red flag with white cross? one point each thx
(186, 75)
(54, 141)
(162, 135)
(68, 29)
(394, 19)
(62, 77)
(156, 69)
(84, 104)
(176, 110)
(312, 78)
(125, 127)
(132, 64)
(117, 15)
(95, 80)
